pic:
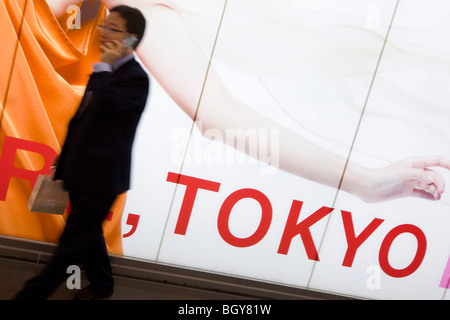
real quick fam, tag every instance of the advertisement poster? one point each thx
(294, 142)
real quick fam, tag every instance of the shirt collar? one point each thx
(117, 64)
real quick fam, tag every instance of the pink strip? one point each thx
(445, 281)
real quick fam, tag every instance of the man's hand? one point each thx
(56, 161)
(113, 51)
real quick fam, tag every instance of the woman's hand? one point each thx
(408, 178)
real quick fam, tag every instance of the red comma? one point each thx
(132, 220)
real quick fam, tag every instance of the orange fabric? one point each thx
(39, 93)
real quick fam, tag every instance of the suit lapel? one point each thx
(87, 98)
(85, 103)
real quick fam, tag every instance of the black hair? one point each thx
(135, 20)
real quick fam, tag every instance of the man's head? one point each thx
(122, 23)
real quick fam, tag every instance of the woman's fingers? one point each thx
(423, 183)
(426, 162)
(419, 193)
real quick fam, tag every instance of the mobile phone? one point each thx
(130, 41)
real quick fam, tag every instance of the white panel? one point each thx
(407, 115)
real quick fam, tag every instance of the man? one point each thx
(96, 156)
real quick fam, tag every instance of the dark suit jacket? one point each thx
(96, 156)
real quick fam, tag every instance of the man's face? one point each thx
(115, 29)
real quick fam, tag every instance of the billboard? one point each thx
(301, 142)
